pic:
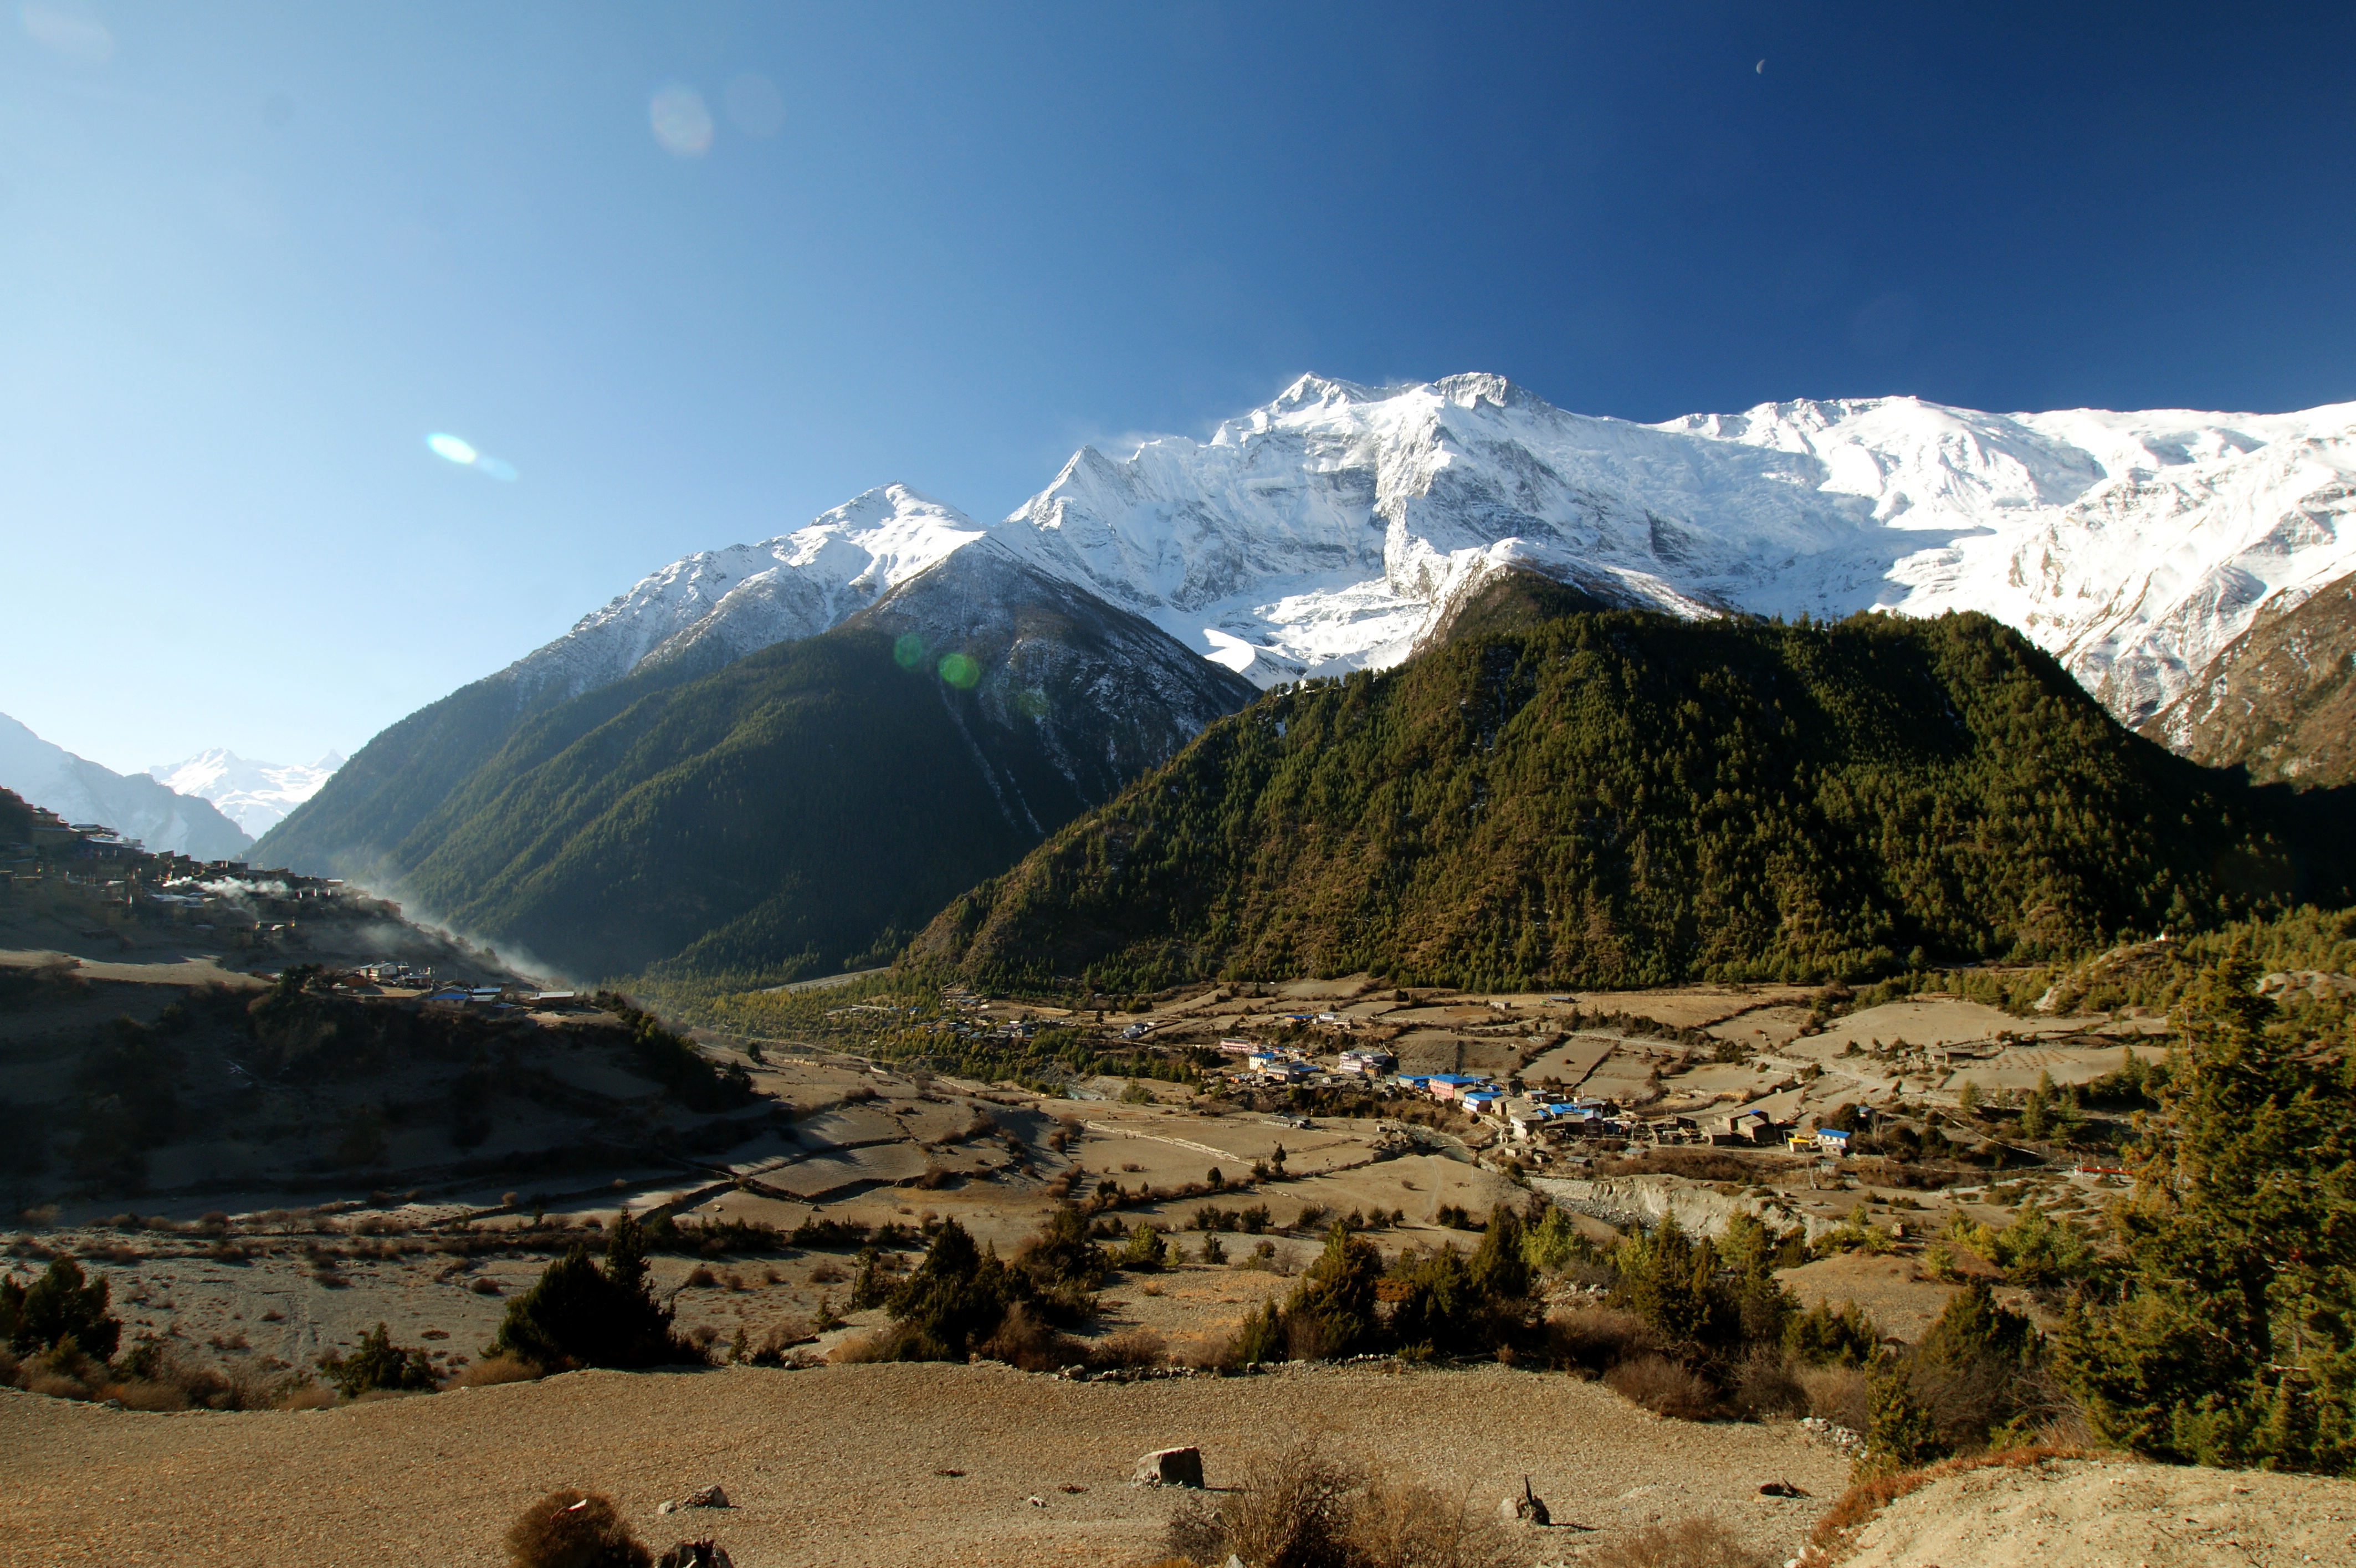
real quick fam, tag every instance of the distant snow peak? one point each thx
(135, 805)
(719, 606)
(1327, 530)
(255, 796)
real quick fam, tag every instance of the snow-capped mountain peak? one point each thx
(719, 606)
(255, 796)
(1328, 529)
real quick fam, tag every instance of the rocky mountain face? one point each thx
(134, 806)
(2280, 699)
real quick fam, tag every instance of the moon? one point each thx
(1761, 68)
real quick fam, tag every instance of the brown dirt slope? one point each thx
(844, 1465)
(2103, 1514)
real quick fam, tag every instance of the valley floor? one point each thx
(848, 1465)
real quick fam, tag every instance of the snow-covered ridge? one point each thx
(255, 796)
(722, 605)
(1324, 530)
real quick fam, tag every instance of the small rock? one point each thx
(666, 1506)
(1035, 1501)
(1780, 1489)
(705, 1497)
(1170, 1467)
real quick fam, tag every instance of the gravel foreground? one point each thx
(844, 1465)
(2112, 1514)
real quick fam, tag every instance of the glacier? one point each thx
(1330, 529)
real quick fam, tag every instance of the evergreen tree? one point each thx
(2235, 1342)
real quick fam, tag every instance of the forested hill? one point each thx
(809, 805)
(1624, 799)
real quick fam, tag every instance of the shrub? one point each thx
(1694, 1543)
(60, 1307)
(1397, 1525)
(379, 1363)
(1024, 1339)
(1823, 1337)
(1147, 1249)
(1837, 1394)
(493, 1370)
(578, 1315)
(1305, 1508)
(1129, 1347)
(1600, 1338)
(574, 1530)
(1663, 1386)
(1767, 1384)
(1293, 1510)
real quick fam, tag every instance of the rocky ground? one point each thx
(859, 1465)
(2111, 1514)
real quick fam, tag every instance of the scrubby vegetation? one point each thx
(579, 1315)
(964, 1300)
(379, 1365)
(1306, 1507)
(575, 1529)
(1624, 800)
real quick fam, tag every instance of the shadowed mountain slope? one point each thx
(1624, 799)
(811, 803)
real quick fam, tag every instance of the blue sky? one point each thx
(251, 256)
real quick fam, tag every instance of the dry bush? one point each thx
(494, 1370)
(1600, 1338)
(1768, 1385)
(1294, 1511)
(307, 1395)
(574, 1530)
(700, 1278)
(827, 1272)
(1406, 1526)
(1839, 1395)
(1129, 1347)
(1663, 1386)
(1694, 1543)
(854, 1348)
(1027, 1341)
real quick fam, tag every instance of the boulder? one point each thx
(1171, 1468)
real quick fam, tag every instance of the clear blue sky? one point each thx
(251, 255)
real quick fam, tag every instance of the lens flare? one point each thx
(909, 650)
(460, 451)
(682, 125)
(960, 670)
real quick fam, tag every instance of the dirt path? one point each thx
(842, 1466)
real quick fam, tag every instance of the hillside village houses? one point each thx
(1534, 1116)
